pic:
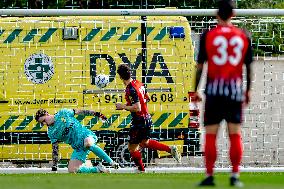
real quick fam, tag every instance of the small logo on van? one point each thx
(39, 68)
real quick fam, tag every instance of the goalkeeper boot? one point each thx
(175, 153)
(115, 165)
(234, 181)
(102, 168)
(208, 181)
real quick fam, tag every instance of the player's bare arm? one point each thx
(147, 96)
(85, 112)
(198, 75)
(55, 152)
(248, 62)
(201, 59)
(90, 113)
(248, 78)
(133, 108)
(199, 70)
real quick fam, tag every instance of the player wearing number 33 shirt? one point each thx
(226, 49)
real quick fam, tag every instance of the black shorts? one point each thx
(139, 130)
(218, 108)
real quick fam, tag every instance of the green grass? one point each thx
(134, 181)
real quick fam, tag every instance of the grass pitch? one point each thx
(134, 181)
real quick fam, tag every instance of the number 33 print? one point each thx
(222, 45)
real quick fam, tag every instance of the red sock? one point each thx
(137, 158)
(155, 145)
(236, 151)
(210, 152)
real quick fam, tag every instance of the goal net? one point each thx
(51, 62)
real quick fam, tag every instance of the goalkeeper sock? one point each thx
(84, 169)
(155, 145)
(137, 158)
(210, 153)
(101, 154)
(235, 151)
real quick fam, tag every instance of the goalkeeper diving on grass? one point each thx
(64, 127)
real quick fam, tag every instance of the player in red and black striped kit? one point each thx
(139, 133)
(226, 49)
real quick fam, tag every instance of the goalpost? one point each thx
(135, 12)
(115, 38)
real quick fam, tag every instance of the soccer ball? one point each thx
(101, 80)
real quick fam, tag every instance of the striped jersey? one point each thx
(135, 92)
(226, 49)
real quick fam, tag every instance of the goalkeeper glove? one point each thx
(54, 168)
(102, 117)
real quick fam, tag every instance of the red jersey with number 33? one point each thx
(226, 49)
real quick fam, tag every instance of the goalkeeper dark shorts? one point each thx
(139, 130)
(218, 108)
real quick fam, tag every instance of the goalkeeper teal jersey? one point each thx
(69, 130)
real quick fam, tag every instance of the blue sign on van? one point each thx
(177, 32)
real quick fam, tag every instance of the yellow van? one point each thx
(51, 63)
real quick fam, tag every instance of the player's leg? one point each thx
(136, 156)
(236, 148)
(73, 165)
(210, 147)
(234, 119)
(77, 163)
(212, 117)
(155, 145)
(90, 143)
(210, 153)
(133, 147)
(144, 134)
(236, 151)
